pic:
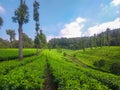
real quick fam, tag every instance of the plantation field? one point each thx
(58, 70)
(108, 54)
(7, 54)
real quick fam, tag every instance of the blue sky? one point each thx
(64, 18)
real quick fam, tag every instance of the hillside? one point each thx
(109, 55)
(60, 69)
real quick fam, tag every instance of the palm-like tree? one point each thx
(11, 33)
(36, 19)
(21, 17)
(1, 22)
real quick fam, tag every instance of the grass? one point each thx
(7, 54)
(70, 76)
(29, 74)
(109, 54)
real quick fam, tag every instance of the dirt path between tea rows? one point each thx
(78, 62)
(49, 84)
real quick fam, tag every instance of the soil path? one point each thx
(49, 84)
(78, 62)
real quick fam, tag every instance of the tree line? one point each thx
(107, 38)
(27, 41)
(21, 17)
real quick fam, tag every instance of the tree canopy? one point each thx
(107, 38)
(27, 41)
(12, 34)
(1, 22)
(36, 15)
(21, 16)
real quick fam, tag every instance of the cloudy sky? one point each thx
(64, 18)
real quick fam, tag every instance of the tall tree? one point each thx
(43, 43)
(95, 40)
(1, 22)
(101, 39)
(40, 40)
(11, 33)
(21, 17)
(4, 43)
(36, 19)
(108, 36)
(83, 43)
(118, 37)
(27, 41)
(91, 42)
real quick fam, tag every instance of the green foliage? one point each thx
(59, 50)
(4, 43)
(115, 68)
(27, 41)
(8, 54)
(40, 40)
(36, 15)
(99, 63)
(111, 37)
(74, 55)
(108, 38)
(21, 14)
(7, 66)
(21, 17)
(12, 34)
(1, 22)
(64, 54)
(29, 76)
(43, 40)
(7, 44)
(72, 77)
(36, 12)
(91, 57)
(37, 40)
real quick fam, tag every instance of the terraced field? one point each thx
(54, 70)
(108, 54)
(9, 54)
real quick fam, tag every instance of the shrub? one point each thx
(95, 63)
(102, 63)
(74, 55)
(99, 63)
(59, 50)
(115, 68)
(64, 54)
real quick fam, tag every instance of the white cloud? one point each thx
(115, 2)
(2, 10)
(50, 37)
(102, 27)
(73, 29)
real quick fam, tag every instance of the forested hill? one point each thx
(107, 38)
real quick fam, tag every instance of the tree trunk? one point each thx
(37, 43)
(37, 50)
(10, 42)
(20, 42)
